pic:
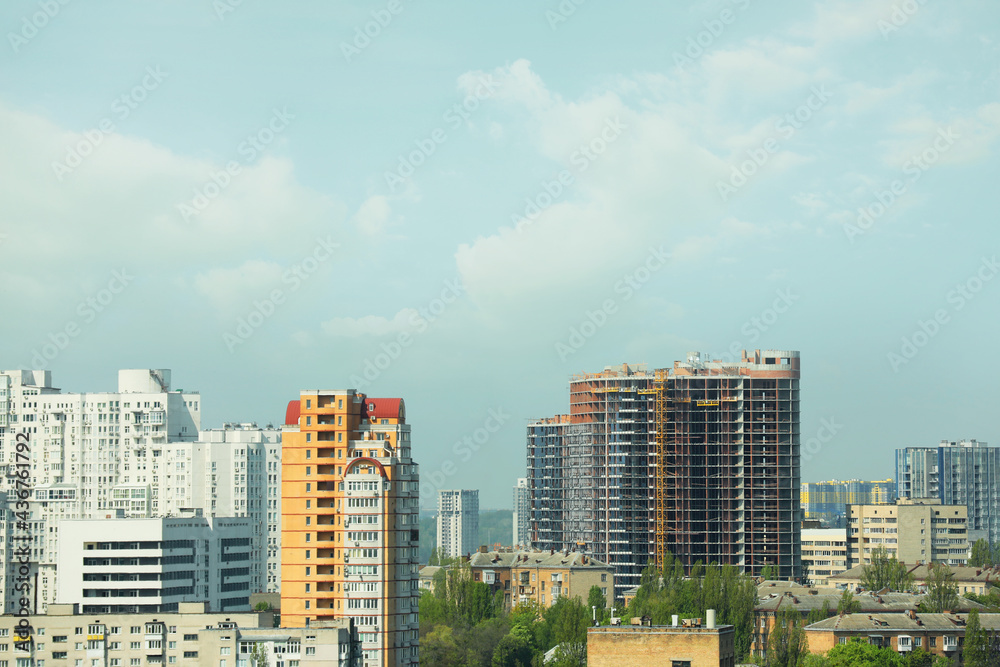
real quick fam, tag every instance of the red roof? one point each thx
(292, 413)
(385, 408)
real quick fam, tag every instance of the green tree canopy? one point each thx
(786, 645)
(847, 604)
(942, 592)
(885, 571)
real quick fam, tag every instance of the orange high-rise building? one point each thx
(349, 536)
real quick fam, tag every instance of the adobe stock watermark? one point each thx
(759, 324)
(454, 116)
(901, 15)
(363, 35)
(581, 159)
(248, 149)
(627, 287)
(700, 44)
(32, 24)
(293, 277)
(223, 7)
(915, 167)
(464, 449)
(828, 429)
(87, 311)
(121, 109)
(957, 298)
(420, 320)
(562, 13)
(787, 126)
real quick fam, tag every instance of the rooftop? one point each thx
(902, 622)
(557, 559)
(921, 572)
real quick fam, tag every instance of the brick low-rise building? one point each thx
(542, 576)
(777, 597)
(976, 580)
(938, 634)
(649, 646)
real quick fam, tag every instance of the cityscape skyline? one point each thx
(506, 201)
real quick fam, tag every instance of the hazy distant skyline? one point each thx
(467, 205)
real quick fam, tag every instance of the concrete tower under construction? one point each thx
(701, 460)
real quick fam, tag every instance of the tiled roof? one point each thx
(902, 622)
(559, 559)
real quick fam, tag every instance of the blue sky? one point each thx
(677, 174)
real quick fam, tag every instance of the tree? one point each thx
(262, 606)
(982, 554)
(942, 593)
(438, 647)
(918, 657)
(768, 572)
(980, 648)
(817, 614)
(258, 657)
(597, 599)
(862, 654)
(885, 571)
(847, 604)
(787, 646)
(512, 651)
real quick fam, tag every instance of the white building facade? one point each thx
(233, 471)
(522, 510)
(457, 522)
(91, 455)
(153, 565)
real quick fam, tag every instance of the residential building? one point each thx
(350, 526)
(778, 597)
(956, 473)
(824, 553)
(192, 635)
(701, 460)
(542, 577)
(938, 634)
(968, 579)
(692, 645)
(828, 501)
(153, 565)
(912, 530)
(457, 523)
(92, 455)
(522, 514)
(8, 556)
(233, 471)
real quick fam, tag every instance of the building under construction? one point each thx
(701, 460)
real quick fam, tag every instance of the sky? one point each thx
(463, 204)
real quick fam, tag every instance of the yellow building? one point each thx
(542, 576)
(350, 521)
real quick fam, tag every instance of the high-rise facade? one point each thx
(457, 522)
(350, 526)
(703, 457)
(966, 472)
(828, 501)
(522, 513)
(92, 455)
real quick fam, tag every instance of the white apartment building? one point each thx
(91, 455)
(824, 554)
(233, 471)
(458, 522)
(522, 511)
(144, 566)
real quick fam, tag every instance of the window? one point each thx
(680, 663)
(190, 638)
(135, 630)
(310, 650)
(224, 650)
(604, 578)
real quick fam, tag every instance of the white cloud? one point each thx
(373, 215)
(371, 325)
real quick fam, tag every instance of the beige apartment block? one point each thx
(542, 576)
(190, 636)
(913, 530)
